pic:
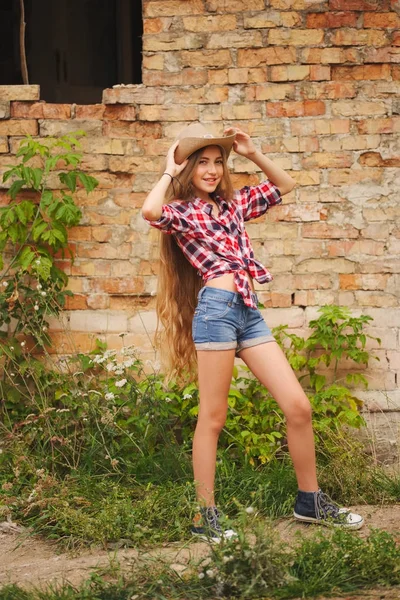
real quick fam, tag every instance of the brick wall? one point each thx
(316, 84)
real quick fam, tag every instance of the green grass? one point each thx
(338, 562)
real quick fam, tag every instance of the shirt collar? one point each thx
(204, 205)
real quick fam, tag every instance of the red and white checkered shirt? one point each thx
(218, 245)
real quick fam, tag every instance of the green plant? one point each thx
(33, 234)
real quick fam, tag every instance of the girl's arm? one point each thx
(152, 206)
(245, 147)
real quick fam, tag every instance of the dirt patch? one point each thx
(30, 561)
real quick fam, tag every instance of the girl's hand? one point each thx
(243, 144)
(171, 166)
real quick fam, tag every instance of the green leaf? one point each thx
(36, 177)
(47, 199)
(38, 228)
(69, 179)
(26, 257)
(24, 211)
(16, 188)
(88, 182)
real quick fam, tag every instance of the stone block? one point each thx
(296, 37)
(4, 109)
(206, 58)
(53, 127)
(19, 92)
(21, 127)
(235, 39)
(256, 57)
(165, 8)
(210, 23)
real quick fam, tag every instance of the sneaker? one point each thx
(206, 525)
(317, 507)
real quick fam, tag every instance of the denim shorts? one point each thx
(222, 321)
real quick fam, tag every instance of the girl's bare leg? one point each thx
(215, 375)
(269, 364)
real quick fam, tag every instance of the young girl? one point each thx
(207, 305)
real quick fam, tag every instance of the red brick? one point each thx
(320, 72)
(313, 108)
(40, 110)
(184, 76)
(360, 5)
(324, 230)
(387, 20)
(374, 159)
(76, 302)
(391, 125)
(152, 25)
(128, 129)
(331, 90)
(330, 20)
(123, 113)
(362, 72)
(89, 111)
(396, 72)
(117, 285)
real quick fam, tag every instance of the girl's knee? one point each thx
(300, 411)
(213, 421)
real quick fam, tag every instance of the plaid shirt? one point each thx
(218, 245)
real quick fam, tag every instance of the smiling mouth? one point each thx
(210, 180)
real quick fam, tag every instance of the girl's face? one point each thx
(209, 172)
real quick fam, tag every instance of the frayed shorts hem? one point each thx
(255, 342)
(234, 345)
(216, 346)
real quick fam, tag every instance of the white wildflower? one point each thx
(110, 366)
(249, 510)
(187, 397)
(43, 293)
(210, 573)
(12, 374)
(39, 286)
(201, 575)
(121, 382)
(36, 307)
(23, 344)
(37, 261)
(11, 348)
(44, 328)
(119, 371)
(5, 284)
(128, 363)
(167, 399)
(109, 396)
(114, 462)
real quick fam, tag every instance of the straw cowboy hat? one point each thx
(196, 136)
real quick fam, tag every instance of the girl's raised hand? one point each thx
(171, 166)
(243, 144)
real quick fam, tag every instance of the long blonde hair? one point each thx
(179, 282)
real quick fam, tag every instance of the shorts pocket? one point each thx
(217, 309)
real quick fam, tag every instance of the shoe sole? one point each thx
(202, 536)
(354, 526)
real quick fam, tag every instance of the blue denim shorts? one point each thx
(222, 321)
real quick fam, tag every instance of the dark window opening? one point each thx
(74, 48)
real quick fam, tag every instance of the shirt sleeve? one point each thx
(171, 220)
(257, 199)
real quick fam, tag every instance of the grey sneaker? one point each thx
(206, 525)
(317, 507)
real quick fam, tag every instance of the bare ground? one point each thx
(28, 560)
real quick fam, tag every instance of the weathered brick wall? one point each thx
(316, 84)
